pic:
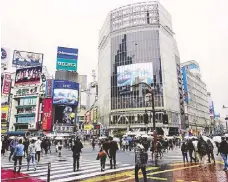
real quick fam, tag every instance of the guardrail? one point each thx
(23, 177)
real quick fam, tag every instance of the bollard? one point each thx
(49, 172)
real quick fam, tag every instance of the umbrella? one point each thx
(59, 138)
(116, 139)
(205, 138)
(103, 137)
(217, 139)
(34, 138)
(145, 136)
(124, 135)
(129, 138)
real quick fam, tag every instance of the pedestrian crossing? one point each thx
(62, 168)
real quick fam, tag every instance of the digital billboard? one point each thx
(28, 75)
(65, 92)
(134, 73)
(67, 59)
(47, 114)
(26, 59)
(65, 114)
(49, 88)
(184, 73)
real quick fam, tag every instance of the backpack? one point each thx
(203, 147)
(210, 146)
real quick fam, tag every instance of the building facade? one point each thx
(136, 45)
(196, 98)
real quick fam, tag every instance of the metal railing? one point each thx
(24, 177)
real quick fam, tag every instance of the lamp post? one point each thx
(224, 107)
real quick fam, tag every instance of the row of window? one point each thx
(28, 101)
(26, 120)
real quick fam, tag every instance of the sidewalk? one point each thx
(8, 175)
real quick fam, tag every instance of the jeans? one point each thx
(191, 157)
(224, 157)
(11, 153)
(113, 158)
(33, 161)
(76, 160)
(185, 156)
(210, 155)
(18, 158)
(38, 156)
(143, 169)
(102, 163)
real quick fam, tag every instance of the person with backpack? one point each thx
(202, 150)
(210, 152)
(102, 156)
(113, 147)
(184, 150)
(224, 151)
(141, 158)
(31, 154)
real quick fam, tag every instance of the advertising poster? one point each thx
(49, 88)
(6, 84)
(65, 92)
(4, 119)
(186, 99)
(65, 114)
(67, 59)
(47, 114)
(26, 91)
(28, 75)
(134, 73)
(26, 59)
(5, 57)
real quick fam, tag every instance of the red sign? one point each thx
(47, 114)
(6, 84)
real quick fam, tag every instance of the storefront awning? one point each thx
(15, 133)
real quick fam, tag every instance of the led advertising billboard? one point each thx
(26, 59)
(134, 73)
(65, 114)
(28, 75)
(65, 92)
(47, 114)
(67, 59)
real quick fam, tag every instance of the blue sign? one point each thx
(67, 53)
(186, 99)
(64, 84)
(3, 53)
(65, 92)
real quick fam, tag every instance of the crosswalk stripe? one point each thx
(80, 177)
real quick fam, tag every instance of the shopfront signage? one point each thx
(26, 91)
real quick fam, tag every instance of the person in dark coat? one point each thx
(191, 149)
(26, 144)
(224, 151)
(76, 149)
(113, 147)
(210, 152)
(184, 150)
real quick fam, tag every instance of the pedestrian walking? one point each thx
(31, 154)
(191, 150)
(4, 146)
(202, 150)
(141, 159)
(184, 150)
(26, 144)
(13, 145)
(224, 152)
(18, 154)
(113, 147)
(38, 149)
(93, 143)
(60, 146)
(76, 149)
(102, 157)
(210, 152)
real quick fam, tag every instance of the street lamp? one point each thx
(224, 107)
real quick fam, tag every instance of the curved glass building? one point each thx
(137, 45)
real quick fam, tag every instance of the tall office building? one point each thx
(137, 44)
(196, 98)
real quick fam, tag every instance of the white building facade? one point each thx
(196, 98)
(137, 45)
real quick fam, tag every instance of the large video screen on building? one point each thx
(65, 114)
(134, 73)
(65, 93)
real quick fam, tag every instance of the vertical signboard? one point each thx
(4, 119)
(47, 114)
(185, 83)
(6, 84)
(49, 88)
(67, 59)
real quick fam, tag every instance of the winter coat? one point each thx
(77, 148)
(141, 156)
(223, 147)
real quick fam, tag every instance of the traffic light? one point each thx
(165, 118)
(145, 117)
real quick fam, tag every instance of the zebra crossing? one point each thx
(62, 168)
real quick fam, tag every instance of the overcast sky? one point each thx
(201, 29)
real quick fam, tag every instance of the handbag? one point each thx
(14, 157)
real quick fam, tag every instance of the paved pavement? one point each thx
(169, 168)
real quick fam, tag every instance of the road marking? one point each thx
(127, 174)
(170, 170)
(157, 178)
(179, 180)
